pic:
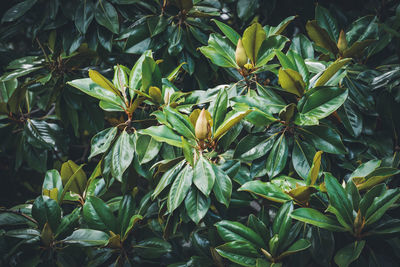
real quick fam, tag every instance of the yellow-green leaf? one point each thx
(321, 37)
(291, 81)
(302, 193)
(253, 37)
(330, 71)
(155, 94)
(51, 193)
(357, 48)
(229, 123)
(103, 82)
(313, 174)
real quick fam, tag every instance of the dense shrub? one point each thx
(194, 133)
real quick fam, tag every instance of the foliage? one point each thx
(189, 133)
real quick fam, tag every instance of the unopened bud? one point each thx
(240, 55)
(201, 128)
(342, 42)
(166, 97)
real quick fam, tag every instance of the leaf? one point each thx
(87, 238)
(234, 231)
(120, 79)
(313, 175)
(314, 217)
(46, 210)
(322, 245)
(203, 175)
(230, 33)
(380, 205)
(269, 47)
(122, 154)
(283, 223)
(281, 27)
(253, 147)
(68, 223)
(297, 246)
(291, 81)
(135, 75)
(219, 109)
(277, 157)
(349, 253)
(163, 134)
(147, 148)
(196, 205)
(369, 197)
(126, 210)
(18, 10)
(73, 177)
(98, 215)
(319, 104)
(89, 87)
(377, 176)
(152, 248)
(302, 46)
(222, 187)
(102, 141)
(331, 71)
(180, 123)
(325, 20)
(220, 51)
(321, 37)
(253, 37)
(338, 199)
(357, 48)
(53, 180)
(103, 82)
(41, 134)
(107, 16)
(84, 15)
(133, 220)
(167, 178)
(324, 138)
(179, 188)
(266, 190)
(302, 157)
(229, 122)
(187, 151)
(239, 252)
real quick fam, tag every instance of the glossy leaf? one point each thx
(349, 253)
(98, 215)
(265, 190)
(179, 188)
(196, 204)
(203, 175)
(222, 186)
(291, 81)
(122, 154)
(277, 157)
(253, 37)
(102, 141)
(87, 238)
(316, 218)
(235, 231)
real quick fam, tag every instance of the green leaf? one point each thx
(349, 253)
(369, 197)
(322, 245)
(377, 176)
(122, 154)
(357, 48)
(253, 147)
(135, 75)
(283, 223)
(269, 47)
(239, 252)
(381, 204)
(266, 190)
(324, 138)
(126, 211)
(152, 248)
(203, 175)
(281, 27)
(163, 134)
(107, 16)
(302, 46)
(187, 151)
(297, 246)
(167, 178)
(196, 205)
(338, 198)
(102, 141)
(302, 157)
(147, 148)
(73, 177)
(132, 221)
(222, 187)
(327, 21)
(235, 231)
(98, 215)
(277, 158)
(87, 238)
(313, 175)
(68, 223)
(291, 81)
(319, 104)
(179, 188)
(87, 86)
(18, 10)
(230, 33)
(84, 15)
(330, 71)
(316, 218)
(253, 37)
(220, 109)
(46, 210)
(180, 123)
(53, 180)
(229, 122)
(321, 37)
(220, 51)
(365, 168)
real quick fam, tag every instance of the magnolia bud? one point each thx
(167, 95)
(342, 42)
(240, 55)
(201, 128)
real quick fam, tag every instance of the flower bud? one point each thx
(240, 55)
(342, 42)
(201, 128)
